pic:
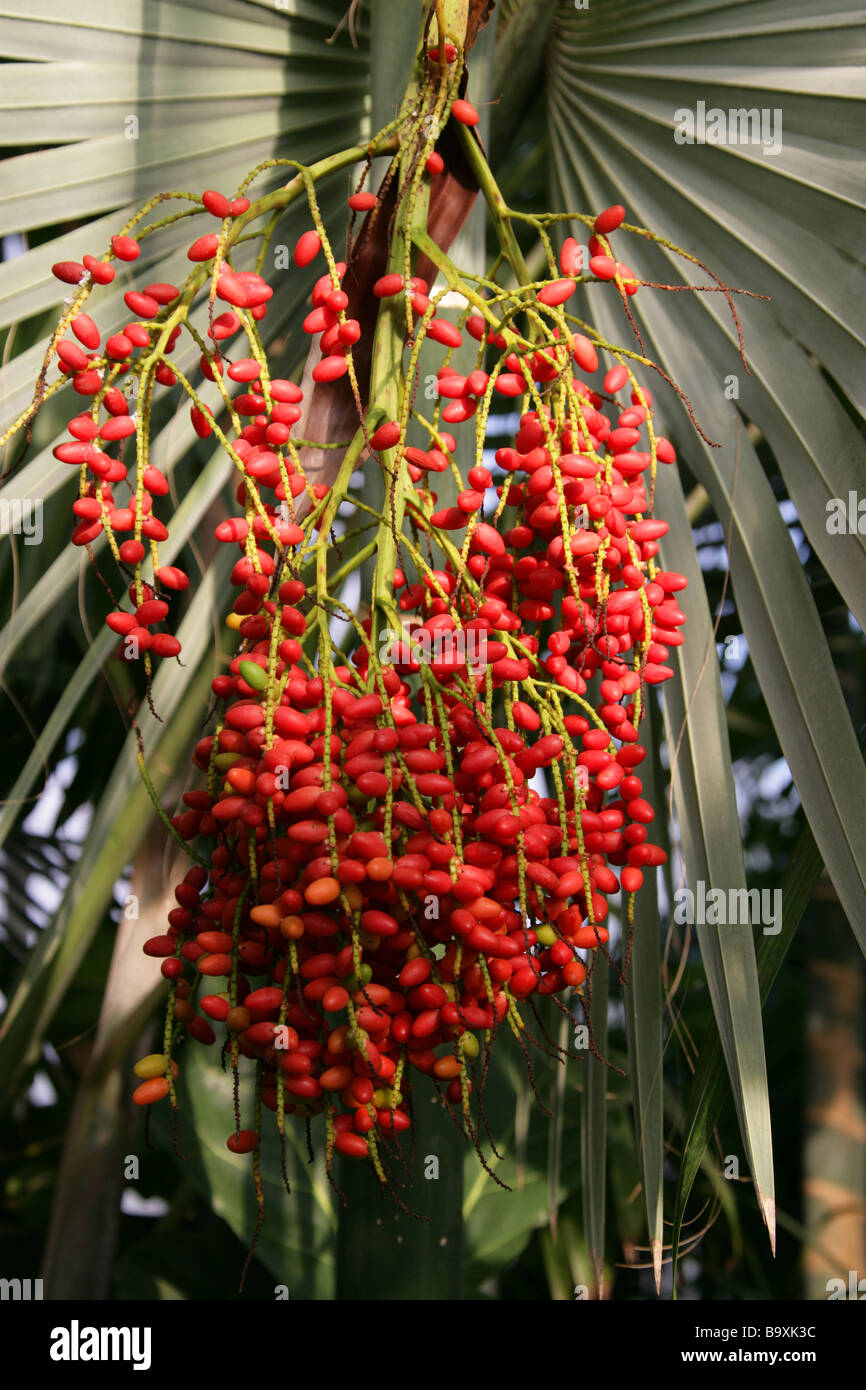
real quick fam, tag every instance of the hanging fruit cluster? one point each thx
(399, 843)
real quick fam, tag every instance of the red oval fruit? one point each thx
(85, 331)
(245, 1142)
(334, 1000)
(570, 257)
(215, 1007)
(118, 347)
(149, 1092)
(159, 946)
(170, 577)
(245, 369)
(386, 436)
(69, 272)
(335, 1078)
(610, 219)
(121, 427)
(557, 292)
(602, 267)
(125, 248)
(387, 285)
(352, 1145)
(444, 332)
(584, 353)
(330, 369)
(216, 204)
(101, 273)
(308, 246)
(72, 355)
(615, 379)
(217, 964)
(464, 112)
(488, 539)
(204, 248)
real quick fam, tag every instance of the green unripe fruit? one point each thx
(253, 674)
(358, 980)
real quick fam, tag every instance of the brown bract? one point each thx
(330, 410)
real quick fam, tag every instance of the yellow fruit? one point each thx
(154, 1064)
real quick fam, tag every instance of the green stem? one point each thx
(499, 210)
